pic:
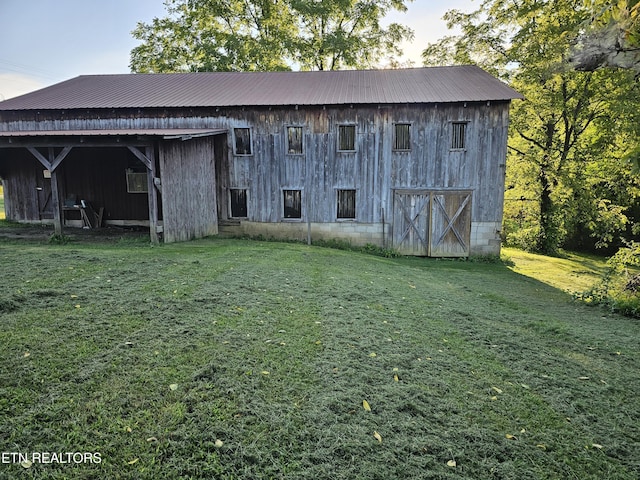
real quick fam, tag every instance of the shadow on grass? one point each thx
(225, 358)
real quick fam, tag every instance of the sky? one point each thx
(43, 42)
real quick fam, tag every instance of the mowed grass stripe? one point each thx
(240, 359)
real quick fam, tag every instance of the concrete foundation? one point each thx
(485, 236)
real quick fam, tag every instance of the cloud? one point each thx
(14, 84)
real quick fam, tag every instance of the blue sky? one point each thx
(47, 41)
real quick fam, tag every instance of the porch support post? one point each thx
(51, 163)
(56, 203)
(148, 159)
(153, 196)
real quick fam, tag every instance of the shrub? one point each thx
(619, 288)
(524, 239)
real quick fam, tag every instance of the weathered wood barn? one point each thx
(409, 159)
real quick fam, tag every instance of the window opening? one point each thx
(238, 203)
(294, 140)
(292, 203)
(136, 182)
(402, 139)
(346, 138)
(243, 141)
(346, 204)
(458, 130)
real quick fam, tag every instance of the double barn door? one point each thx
(435, 223)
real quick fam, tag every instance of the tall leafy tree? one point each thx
(564, 125)
(245, 35)
(335, 34)
(222, 35)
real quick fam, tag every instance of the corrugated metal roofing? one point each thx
(167, 133)
(244, 89)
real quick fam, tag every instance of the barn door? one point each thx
(43, 187)
(411, 222)
(450, 233)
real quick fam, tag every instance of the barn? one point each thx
(410, 159)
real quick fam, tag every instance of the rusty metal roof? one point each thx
(244, 89)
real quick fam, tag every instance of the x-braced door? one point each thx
(432, 223)
(411, 222)
(450, 224)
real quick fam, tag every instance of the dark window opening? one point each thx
(346, 138)
(346, 204)
(402, 140)
(292, 203)
(137, 182)
(238, 203)
(458, 131)
(294, 140)
(243, 141)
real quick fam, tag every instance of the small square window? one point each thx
(346, 138)
(136, 182)
(294, 140)
(402, 139)
(242, 141)
(458, 130)
(292, 203)
(346, 204)
(238, 199)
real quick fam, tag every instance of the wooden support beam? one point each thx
(153, 193)
(56, 191)
(56, 203)
(143, 157)
(53, 161)
(41, 158)
(58, 159)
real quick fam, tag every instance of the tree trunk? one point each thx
(547, 238)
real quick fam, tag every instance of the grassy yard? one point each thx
(233, 359)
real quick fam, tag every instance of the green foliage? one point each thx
(339, 34)
(61, 239)
(568, 181)
(208, 35)
(619, 287)
(523, 238)
(264, 35)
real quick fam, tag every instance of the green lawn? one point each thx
(233, 359)
(571, 272)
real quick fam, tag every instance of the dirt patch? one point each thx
(45, 232)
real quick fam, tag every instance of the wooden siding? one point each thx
(375, 170)
(187, 169)
(97, 175)
(26, 191)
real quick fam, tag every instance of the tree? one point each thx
(336, 34)
(208, 35)
(611, 38)
(560, 130)
(245, 35)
